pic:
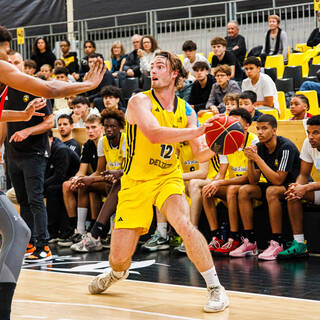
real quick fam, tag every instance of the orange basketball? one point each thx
(225, 136)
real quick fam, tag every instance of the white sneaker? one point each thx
(103, 281)
(218, 300)
(87, 244)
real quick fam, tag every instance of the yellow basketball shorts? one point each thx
(136, 198)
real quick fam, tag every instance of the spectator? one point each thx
(89, 49)
(299, 105)
(221, 56)
(247, 100)
(201, 88)
(118, 57)
(46, 71)
(191, 57)
(27, 150)
(311, 85)
(62, 164)
(29, 67)
(219, 89)
(277, 158)
(61, 104)
(184, 86)
(111, 97)
(65, 126)
(41, 53)
(61, 74)
(88, 163)
(231, 101)
(59, 63)
(303, 189)
(131, 67)
(276, 40)
(81, 111)
(314, 38)
(261, 84)
(146, 53)
(70, 58)
(107, 80)
(236, 42)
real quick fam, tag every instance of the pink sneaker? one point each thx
(271, 252)
(246, 249)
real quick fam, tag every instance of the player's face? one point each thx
(230, 105)
(252, 71)
(93, 130)
(64, 127)
(297, 107)
(62, 77)
(17, 61)
(201, 74)
(4, 50)
(265, 132)
(190, 54)
(111, 102)
(218, 49)
(232, 30)
(111, 128)
(161, 75)
(246, 104)
(314, 136)
(222, 78)
(273, 24)
(89, 49)
(80, 109)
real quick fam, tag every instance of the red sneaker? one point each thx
(215, 243)
(230, 245)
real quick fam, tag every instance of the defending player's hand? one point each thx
(96, 73)
(32, 108)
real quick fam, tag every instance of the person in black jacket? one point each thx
(314, 37)
(201, 88)
(70, 58)
(41, 53)
(62, 164)
(132, 66)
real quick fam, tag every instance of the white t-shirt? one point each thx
(81, 123)
(100, 151)
(310, 155)
(188, 65)
(265, 87)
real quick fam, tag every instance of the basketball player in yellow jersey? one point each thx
(227, 189)
(156, 122)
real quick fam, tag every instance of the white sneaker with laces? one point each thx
(103, 281)
(218, 299)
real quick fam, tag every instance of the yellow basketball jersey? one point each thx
(145, 160)
(187, 161)
(214, 167)
(114, 156)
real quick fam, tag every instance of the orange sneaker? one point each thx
(30, 249)
(40, 254)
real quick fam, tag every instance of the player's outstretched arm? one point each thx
(139, 113)
(12, 77)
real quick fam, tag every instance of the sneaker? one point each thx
(229, 246)
(295, 250)
(106, 242)
(215, 243)
(181, 248)
(175, 241)
(271, 252)
(103, 281)
(40, 254)
(156, 242)
(87, 244)
(218, 299)
(30, 249)
(246, 249)
(75, 238)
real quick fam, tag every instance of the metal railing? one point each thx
(172, 26)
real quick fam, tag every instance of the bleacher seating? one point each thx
(313, 101)
(277, 62)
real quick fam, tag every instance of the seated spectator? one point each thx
(131, 67)
(219, 89)
(201, 88)
(236, 42)
(46, 71)
(184, 86)
(107, 79)
(311, 85)
(231, 101)
(227, 189)
(303, 189)
(29, 67)
(299, 105)
(261, 84)
(65, 126)
(81, 111)
(247, 100)
(88, 163)
(60, 105)
(277, 158)
(41, 53)
(59, 63)
(222, 56)
(62, 164)
(276, 39)
(146, 53)
(314, 38)
(111, 97)
(118, 57)
(70, 58)
(191, 57)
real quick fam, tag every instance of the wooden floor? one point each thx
(49, 295)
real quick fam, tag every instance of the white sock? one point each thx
(211, 278)
(162, 229)
(299, 238)
(81, 221)
(118, 274)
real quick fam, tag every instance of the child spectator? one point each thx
(111, 96)
(246, 101)
(81, 111)
(59, 63)
(46, 71)
(299, 105)
(231, 101)
(29, 67)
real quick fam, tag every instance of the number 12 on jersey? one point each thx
(166, 151)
